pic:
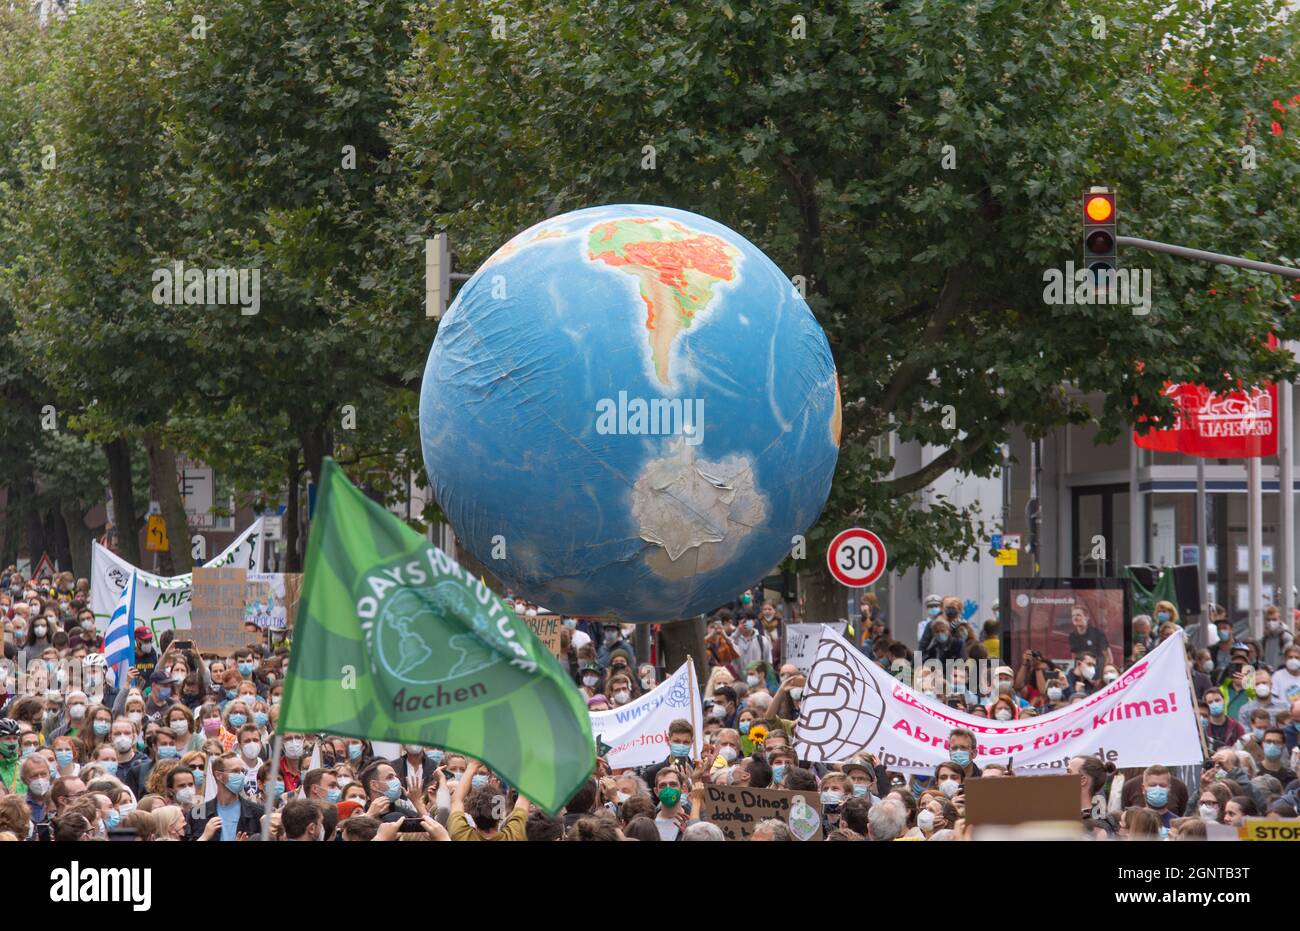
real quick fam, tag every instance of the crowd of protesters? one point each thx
(181, 750)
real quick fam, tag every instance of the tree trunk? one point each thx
(118, 453)
(79, 539)
(680, 639)
(162, 471)
(62, 537)
(317, 443)
(293, 559)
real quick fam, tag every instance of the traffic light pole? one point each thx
(1200, 255)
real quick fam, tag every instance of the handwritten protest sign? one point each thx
(547, 628)
(217, 611)
(737, 810)
(271, 599)
(801, 641)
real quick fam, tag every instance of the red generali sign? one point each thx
(1230, 425)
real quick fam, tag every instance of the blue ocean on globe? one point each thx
(629, 411)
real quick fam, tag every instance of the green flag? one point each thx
(395, 641)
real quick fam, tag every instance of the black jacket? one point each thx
(402, 767)
(250, 819)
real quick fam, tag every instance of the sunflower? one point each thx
(758, 735)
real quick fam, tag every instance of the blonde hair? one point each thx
(1168, 606)
(163, 817)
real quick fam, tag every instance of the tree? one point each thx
(920, 165)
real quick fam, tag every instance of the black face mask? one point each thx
(950, 612)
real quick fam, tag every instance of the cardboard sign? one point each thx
(1017, 799)
(271, 599)
(737, 810)
(217, 610)
(1270, 829)
(547, 629)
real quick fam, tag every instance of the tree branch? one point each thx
(954, 287)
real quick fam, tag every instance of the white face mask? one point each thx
(728, 753)
(1088, 672)
(1263, 691)
(797, 693)
(647, 683)
(925, 820)
(135, 716)
(180, 728)
(252, 749)
(949, 787)
(1003, 714)
(78, 711)
(185, 796)
(622, 697)
(752, 680)
(623, 797)
(1293, 665)
(1209, 812)
(1054, 693)
(1111, 676)
(591, 681)
(122, 743)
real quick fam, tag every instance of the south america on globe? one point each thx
(629, 411)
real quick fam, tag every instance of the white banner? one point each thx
(1142, 718)
(636, 734)
(163, 603)
(801, 641)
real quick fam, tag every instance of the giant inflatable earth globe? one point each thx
(629, 411)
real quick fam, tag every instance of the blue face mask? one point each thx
(680, 750)
(110, 767)
(394, 790)
(169, 753)
(238, 720)
(778, 771)
(63, 756)
(941, 638)
(860, 789)
(354, 751)
(1157, 796)
(1272, 751)
(960, 757)
(245, 669)
(235, 782)
(113, 818)
(479, 781)
(101, 728)
(1223, 635)
(933, 612)
(164, 692)
(198, 778)
(232, 693)
(435, 756)
(1162, 616)
(1216, 709)
(259, 718)
(744, 727)
(333, 795)
(279, 787)
(832, 798)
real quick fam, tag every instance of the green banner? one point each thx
(395, 641)
(1144, 600)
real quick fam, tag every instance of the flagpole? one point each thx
(695, 685)
(276, 745)
(1255, 541)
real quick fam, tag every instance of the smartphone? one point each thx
(411, 826)
(184, 644)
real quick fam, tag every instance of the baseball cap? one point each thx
(143, 633)
(1004, 671)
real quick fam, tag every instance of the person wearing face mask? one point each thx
(619, 688)
(613, 641)
(1221, 730)
(751, 643)
(589, 677)
(1264, 700)
(1221, 648)
(146, 657)
(1286, 678)
(681, 748)
(835, 789)
(384, 791)
(10, 761)
(1276, 638)
(1085, 677)
(132, 763)
(230, 815)
(415, 769)
(948, 779)
(941, 644)
(933, 609)
(1157, 783)
(962, 751)
(1233, 687)
(1274, 762)
(34, 774)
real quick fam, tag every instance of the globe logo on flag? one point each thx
(841, 708)
(406, 624)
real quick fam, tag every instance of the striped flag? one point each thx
(119, 639)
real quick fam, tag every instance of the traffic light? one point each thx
(1100, 250)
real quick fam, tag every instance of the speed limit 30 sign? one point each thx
(856, 557)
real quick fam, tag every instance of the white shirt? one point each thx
(1286, 684)
(668, 829)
